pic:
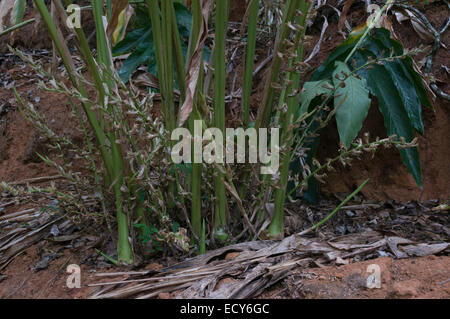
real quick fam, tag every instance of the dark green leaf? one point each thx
(184, 19)
(132, 40)
(380, 47)
(395, 116)
(407, 64)
(145, 53)
(310, 91)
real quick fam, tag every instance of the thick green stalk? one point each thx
(265, 110)
(248, 79)
(103, 53)
(153, 7)
(88, 58)
(196, 205)
(276, 227)
(203, 240)
(220, 220)
(168, 27)
(162, 38)
(108, 9)
(103, 58)
(196, 25)
(249, 59)
(179, 58)
(167, 30)
(124, 250)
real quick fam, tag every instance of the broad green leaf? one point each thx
(380, 47)
(140, 19)
(132, 40)
(408, 66)
(144, 53)
(396, 118)
(384, 37)
(397, 85)
(310, 91)
(325, 70)
(184, 19)
(352, 101)
(140, 41)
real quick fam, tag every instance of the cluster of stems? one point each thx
(280, 102)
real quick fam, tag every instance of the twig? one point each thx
(362, 206)
(439, 92)
(319, 42)
(23, 212)
(7, 204)
(123, 273)
(37, 180)
(262, 64)
(437, 44)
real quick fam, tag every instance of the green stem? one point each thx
(167, 30)
(349, 197)
(196, 205)
(167, 49)
(17, 26)
(265, 111)
(249, 59)
(367, 30)
(102, 47)
(153, 7)
(276, 226)
(124, 250)
(220, 220)
(112, 160)
(203, 239)
(179, 58)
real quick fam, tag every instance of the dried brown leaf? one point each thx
(193, 67)
(5, 8)
(117, 7)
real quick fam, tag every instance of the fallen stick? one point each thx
(37, 180)
(22, 212)
(7, 204)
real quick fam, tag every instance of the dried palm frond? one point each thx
(258, 266)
